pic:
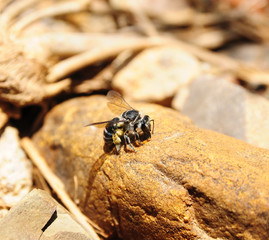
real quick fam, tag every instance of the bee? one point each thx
(130, 127)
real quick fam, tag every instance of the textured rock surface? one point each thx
(222, 106)
(15, 168)
(186, 183)
(39, 216)
(157, 73)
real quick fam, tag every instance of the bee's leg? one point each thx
(138, 138)
(128, 142)
(117, 142)
(149, 133)
(118, 148)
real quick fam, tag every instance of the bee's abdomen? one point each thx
(108, 136)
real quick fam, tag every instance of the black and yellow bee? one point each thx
(129, 128)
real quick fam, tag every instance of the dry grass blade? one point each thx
(104, 78)
(142, 19)
(245, 71)
(39, 181)
(3, 4)
(86, 58)
(103, 51)
(13, 10)
(58, 187)
(55, 10)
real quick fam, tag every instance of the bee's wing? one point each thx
(98, 124)
(116, 103)
(103, 124)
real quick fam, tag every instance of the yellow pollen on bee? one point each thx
(119, 132)
(116, 139)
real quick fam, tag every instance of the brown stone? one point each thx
(217, 104)
(39, 216)
(156, 73)
(15, 168)
(185, 183)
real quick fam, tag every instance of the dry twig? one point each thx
(55, 10)
(98, 54)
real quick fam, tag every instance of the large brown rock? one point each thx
(185, 183)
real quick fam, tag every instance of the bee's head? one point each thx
(146, 123)
(146, 119)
